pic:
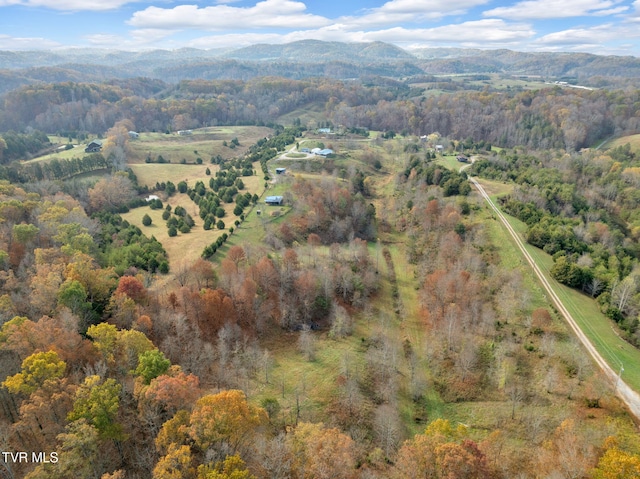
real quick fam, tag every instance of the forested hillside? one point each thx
(309, 58)
(548, 118)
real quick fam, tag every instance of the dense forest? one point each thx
(548, 118)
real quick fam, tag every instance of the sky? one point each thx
(604, 27)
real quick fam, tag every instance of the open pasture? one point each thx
(151, 173)
(203, 143)
(633, 140)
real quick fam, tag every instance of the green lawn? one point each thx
(62, 154)
(450, 162)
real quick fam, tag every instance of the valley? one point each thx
(159, 319)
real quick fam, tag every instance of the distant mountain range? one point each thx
(302, 59)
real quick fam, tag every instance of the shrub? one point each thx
(146, 220)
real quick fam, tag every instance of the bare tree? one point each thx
(307, 343)
(388, 429)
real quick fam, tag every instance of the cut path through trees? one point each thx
(630, 397)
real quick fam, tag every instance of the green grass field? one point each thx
(310, 115)
(151, 173)
(207, 142)
(633, 140)
(174, 148)
(62, 154)
(450, 162)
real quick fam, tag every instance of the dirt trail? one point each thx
(622, 389)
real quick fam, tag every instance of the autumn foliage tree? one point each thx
(36, 370)
(174, 391)
(132, 287)
(97, 402)
(322, 453)
(111, 193)
(616, 463)
(225, 418)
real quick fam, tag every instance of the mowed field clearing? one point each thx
(151, 173)
(633, 140)
(207, 142)
(184, 248)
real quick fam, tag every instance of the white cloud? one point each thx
(540, 9)
(585, 39)
(396, 12)
(17, 43)
(265, 14)
(611, 11)
(635, 16)
(488, 33)
(69, 5)
(138, 40)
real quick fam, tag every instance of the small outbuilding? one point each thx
(134, 134)
(325, 152)
(462, 159)
(281, 171)
(274, 200)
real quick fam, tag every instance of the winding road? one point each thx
(622, 389)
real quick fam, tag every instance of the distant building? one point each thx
(152, 197)
(185, 132)
(274, 200)
(462, 159)
(324, 130)
(94, 147)
(325, 152)
(281, 171)
(316, 151)
(439, 148)
(133, 134)
(305, 150)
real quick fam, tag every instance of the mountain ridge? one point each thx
(303, 59)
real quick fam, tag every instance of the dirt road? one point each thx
(630, 397)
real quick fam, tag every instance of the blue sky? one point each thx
(594, 26)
